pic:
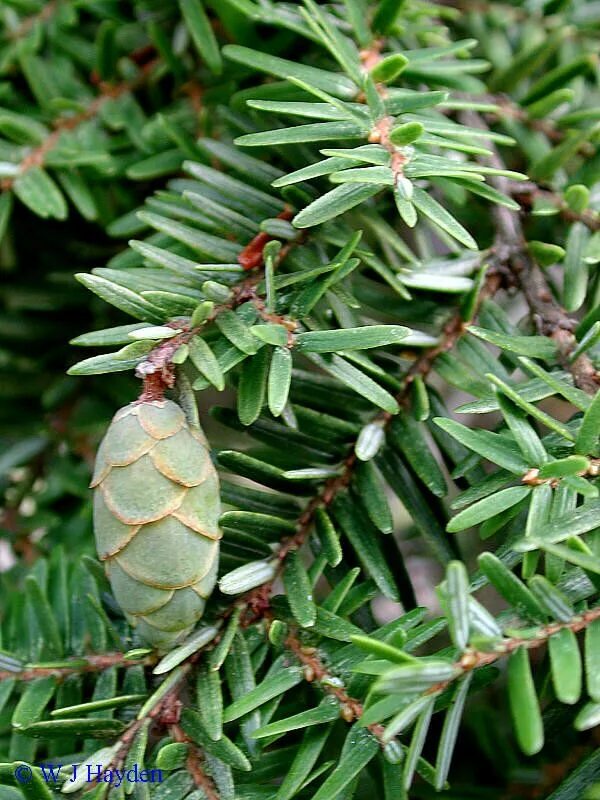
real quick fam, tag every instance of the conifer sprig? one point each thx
(339, 217)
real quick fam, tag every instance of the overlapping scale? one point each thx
(162, 640)
(126, 441)
(111, 534)
(182, 459)
(206, 584)
(184, 609)
(168, 555)
(139, 493)
(135, 597)
(161, 418)
(200, 509)
(101, 466)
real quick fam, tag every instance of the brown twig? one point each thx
(165, 713)
(453, 330)
(93, 663)
(509, 252)
(528, 192)
(200, 778)
(252, 254)
(257, 599)
(352, 709)
(545, 126)
(473, 659)
(510, 248)
(28, 23)
(315, 671)
(36, 157)
(381, 135)
(532, 476)
(194, 763)
(382, 130)
(157, 370)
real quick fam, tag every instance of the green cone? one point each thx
(156, 512)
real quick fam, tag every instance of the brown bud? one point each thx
(309, 674)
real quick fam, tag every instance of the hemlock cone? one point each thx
(156, 511)
(363, 237)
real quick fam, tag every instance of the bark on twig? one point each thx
(548, 315)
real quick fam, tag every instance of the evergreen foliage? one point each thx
(358, 242)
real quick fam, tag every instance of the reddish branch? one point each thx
(156, 383)
(314, 670)
(527, 193)
(37, 156)
(164, 714)
(371, 56)
(200, 778)
(381, 135)
(28, 23)
(252, 255)
(194, 763)
(157, 370)
(511, 249)
(256, 601)
(381, 132)
(549, 317)
(473, 659)
(93, 663)
(531, 477)
(545, 126)
(352, 709)
(578, 623)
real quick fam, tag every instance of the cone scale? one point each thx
(156, 512)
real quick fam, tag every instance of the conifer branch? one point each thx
(27, 24)
(317, 674)
(513, 110)
(549, 317)
(340, 347)
(37, 156)
(474, 659)
(91, 663)
(528, 192)
(194, 763)
(256, 602)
